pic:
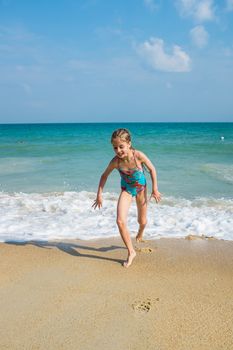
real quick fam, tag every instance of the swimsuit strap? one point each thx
(135, 159)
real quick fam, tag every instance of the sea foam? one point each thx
(69, 215)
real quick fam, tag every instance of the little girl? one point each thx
(129, 163)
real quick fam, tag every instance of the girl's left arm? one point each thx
(145, 160)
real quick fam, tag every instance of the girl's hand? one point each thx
(98, 202)
(157, 195)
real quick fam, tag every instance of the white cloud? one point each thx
(229, 5)
(154, 54)
(200, 10)
(150, 4)
(199, 36)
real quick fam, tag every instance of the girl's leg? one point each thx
(124, 202)
(141, 200)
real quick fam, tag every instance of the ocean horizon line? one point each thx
(117, 122)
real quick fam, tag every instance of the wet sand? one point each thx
(178, 294)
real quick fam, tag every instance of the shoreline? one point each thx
(75, 294)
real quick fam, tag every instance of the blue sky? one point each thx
(99, 60)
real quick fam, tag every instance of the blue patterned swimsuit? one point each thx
(133, 180)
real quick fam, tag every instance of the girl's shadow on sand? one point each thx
(72, 248)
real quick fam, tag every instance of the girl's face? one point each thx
(121, 148)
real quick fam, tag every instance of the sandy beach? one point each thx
(178, 294)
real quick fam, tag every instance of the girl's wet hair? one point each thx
(123, 134)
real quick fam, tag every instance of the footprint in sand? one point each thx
(144, 250)
(143, 306)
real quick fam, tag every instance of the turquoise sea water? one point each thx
(194, 163)
(191, 159)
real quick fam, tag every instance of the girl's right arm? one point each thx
(98, 202)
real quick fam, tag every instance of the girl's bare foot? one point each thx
(129, 261)
(139, 238)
